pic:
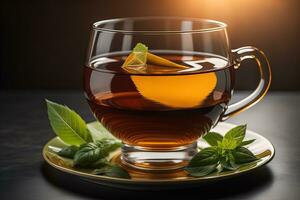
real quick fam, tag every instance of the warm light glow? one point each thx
(232, 11)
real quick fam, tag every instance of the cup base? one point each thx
(145, 159)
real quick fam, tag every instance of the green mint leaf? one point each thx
(228, 164)
(90, 153)
(137, 59)
(98, 131)
(203, 162)
(228, 161)
(67, 124)
(243, 155)
(87, 155)
(140, 52)
(212, 138)
(140, 47)
(227, 151)
(107, 145)
(237, 134)
(201, 170)
(112, 171)
(205, 157)
(227, 144)
(246, 142)
(68, 152)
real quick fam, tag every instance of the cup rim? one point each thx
(217, 25)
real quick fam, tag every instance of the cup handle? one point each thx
(263, 65)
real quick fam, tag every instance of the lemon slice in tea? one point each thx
(157, 60)
(179, 91)
(137, 60)
(175, 91)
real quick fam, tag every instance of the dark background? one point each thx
(43, 43)
(42, 51)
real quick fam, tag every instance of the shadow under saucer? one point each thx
(245, 184)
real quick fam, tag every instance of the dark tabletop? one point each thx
(24, 129)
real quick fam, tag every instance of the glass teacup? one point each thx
(159, 111)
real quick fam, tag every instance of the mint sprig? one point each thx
(88, 150)
(88, 154)
(225, 153)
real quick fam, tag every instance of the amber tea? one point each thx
(163, 108)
